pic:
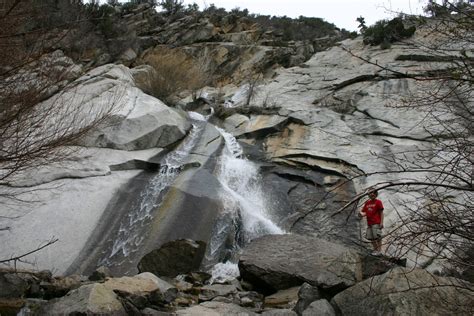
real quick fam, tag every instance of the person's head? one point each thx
(372, 194)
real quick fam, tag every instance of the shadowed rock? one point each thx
(173, 258)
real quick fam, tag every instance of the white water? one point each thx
(130, 234)
(246, 214)
(245, 207)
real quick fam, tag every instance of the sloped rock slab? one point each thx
(276, 262)
(404, 291)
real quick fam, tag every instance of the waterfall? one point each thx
(246, 214)
(132, 231)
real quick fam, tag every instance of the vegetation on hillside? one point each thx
(30, 32)
(385, 32)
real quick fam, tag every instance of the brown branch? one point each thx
(407, 183)
(17, 258)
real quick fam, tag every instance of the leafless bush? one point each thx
(175, 72)
(253, 79)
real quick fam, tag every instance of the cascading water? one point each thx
(132, 232)
(246, 214)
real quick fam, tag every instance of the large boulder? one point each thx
(138, 121)
(132, 285)
(277, 262)
(92, 299)
(173, 258)
(404, 291)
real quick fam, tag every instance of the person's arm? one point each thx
(362, 212)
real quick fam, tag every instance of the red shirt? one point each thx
(373, 209)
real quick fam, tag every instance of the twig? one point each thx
(17, 258)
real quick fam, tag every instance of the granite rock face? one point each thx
(137, 121)
(345, 119)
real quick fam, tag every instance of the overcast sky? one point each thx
(342, 13)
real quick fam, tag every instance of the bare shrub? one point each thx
(175, 72)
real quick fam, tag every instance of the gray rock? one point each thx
(306, 295)
(142, 75)
(128, 56)
(58, 287)
(283, 299)
(200, 277)
(250, 299)
(13, 285)
(173, 258)
(136, 120)
(162, 285)
(153, 312)
(100, 274)
(89, 299)
(320, 308)
(406, 291)
(279, 312)
(215, 309)
(374, 265)
(281, 261)
(132, 285)
(208, 292)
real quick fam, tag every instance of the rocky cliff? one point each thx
(317, 127)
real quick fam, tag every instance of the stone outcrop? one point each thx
(137, 121)
(343, 121)
(404, 291)
(281, 261)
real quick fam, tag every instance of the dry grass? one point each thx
(175, 72)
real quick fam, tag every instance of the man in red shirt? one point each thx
(373, 211)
